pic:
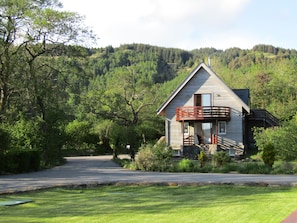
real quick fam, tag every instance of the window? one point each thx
(231, 152)
(202, 100)
(186, 128)
(222, 128)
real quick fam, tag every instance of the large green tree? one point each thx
(282, 138)
(129, 98)
(32, 35)
(30, 30)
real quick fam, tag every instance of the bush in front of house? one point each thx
(254, 168)
(202, 157)
(268, 155)
(226, 168)
(207, 168)
(159, 158)
(284, 168)
(156, 157)
(145, 160)
(126, 163)
(221, 158)
(185, 165)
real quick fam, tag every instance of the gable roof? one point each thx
(188, 79)
(244, 94)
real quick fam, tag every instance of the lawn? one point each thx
(221, 203)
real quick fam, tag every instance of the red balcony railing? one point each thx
(203, 113)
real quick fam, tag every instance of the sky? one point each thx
(190, 24)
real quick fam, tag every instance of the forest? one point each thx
(58, 96)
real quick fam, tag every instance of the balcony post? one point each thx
(217, 132)
(183, 129)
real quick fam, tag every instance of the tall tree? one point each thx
(128, 98)
(125, 95)
(30, 29)
(32, 34)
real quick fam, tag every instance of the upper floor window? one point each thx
(202, 100)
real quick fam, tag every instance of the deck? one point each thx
(203, 113)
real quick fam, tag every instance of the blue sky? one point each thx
(190, 24)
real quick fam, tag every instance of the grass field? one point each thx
(153, 204)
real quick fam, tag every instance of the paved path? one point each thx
(96, 170)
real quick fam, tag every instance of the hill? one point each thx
(269, 72)
(102, 99)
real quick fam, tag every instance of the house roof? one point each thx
(244, 94)
(188, 79)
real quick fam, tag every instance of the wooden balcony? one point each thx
(203, 113)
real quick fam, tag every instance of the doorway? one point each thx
(202, 100)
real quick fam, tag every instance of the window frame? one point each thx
(219, 128)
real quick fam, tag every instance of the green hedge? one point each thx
(20, 161)
(1, 162)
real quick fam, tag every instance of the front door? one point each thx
(206, 131)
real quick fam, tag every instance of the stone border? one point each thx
(85, 185)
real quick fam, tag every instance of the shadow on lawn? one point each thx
(120, 200)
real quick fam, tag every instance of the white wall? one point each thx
(203, 83)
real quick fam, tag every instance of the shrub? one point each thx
(221, 158)
(77, 133)
(254, 168)
(207, 168)
(4, 144)
(284, 168)
(202, 157)
(131, 165)
(281, 137)
(25, 133)
(154, 158)
(20, 161)
(185, 165)
(4, 140)
(125, 163)
(146, 159)
(162, 151)
(268, 154)
(228, 167)
(1, 163)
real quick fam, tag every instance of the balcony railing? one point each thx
(203, 113)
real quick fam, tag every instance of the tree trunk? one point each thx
(3, 100)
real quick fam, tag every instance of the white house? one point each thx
(204, 113)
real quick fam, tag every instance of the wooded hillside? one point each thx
(106, 98)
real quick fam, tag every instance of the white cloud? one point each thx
(184, 24)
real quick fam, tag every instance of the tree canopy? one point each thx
(32, 33)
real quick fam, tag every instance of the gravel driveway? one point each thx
(101, 170)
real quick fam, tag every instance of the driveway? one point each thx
(101, 170)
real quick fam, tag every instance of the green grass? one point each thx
(154, 204)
